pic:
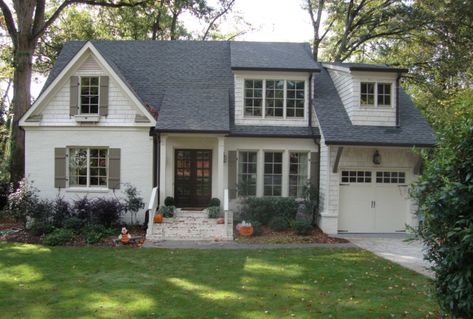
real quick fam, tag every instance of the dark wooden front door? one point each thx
(193, 178)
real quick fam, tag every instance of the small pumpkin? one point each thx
(246, 230)
(220, 221)
(158, 218)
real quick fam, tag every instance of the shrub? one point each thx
(105, 211)
(263, 209)
(83, 208)
(278, 223)
(41, 228)
(214, 202)
(445, 200)
(95, 233)
(61, 211)
(22, 201)
(169, 201)
(4, 190)
(58, 237)
(257, 227)
(73, 223)
(213, 212)
(302, 227)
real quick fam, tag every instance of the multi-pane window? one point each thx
(247, 173)
(367, 93)
(88, 167)
(356, 177)
(295, 99)
(253, 97)
(89, 95)
(272, 173)
(375, 94)
(391, 177)
(297, 174)
(384, 94)
(274, 98)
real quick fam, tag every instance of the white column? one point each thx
(220, 167)
(162, 169)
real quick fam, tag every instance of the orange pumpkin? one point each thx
(158, 218)
(246, 230)
(220, 221)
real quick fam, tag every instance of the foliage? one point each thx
(94, 233)
(302, 227)
(445, 200)
(214, 202)
(283, 282)
(58, 237)
(257, 227)
(310, 206)
(23, 201)
(133, 202)
(278, 223)
(73, 223)
(62, 210)
(214, 212)
(83, 208)
(167, 211)
(41, 227)
(169, 201)
(106, 212)
(263, 209)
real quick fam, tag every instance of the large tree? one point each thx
(26, 21)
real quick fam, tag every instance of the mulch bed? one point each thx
(269, 236)
(21, 235)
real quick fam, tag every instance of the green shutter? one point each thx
(74, 96)
(60, 167)
(114, 168)
(314, 169)
(103, 96)
(232, 172)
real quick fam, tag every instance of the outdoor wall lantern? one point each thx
(376, 158)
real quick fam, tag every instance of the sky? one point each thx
(271, 20)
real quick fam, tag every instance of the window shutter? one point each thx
(103, 96)
(74, 96)
(114, 168)
(314, 169)
(60, 168)
(232, 172)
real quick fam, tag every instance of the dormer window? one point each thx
(89, 95)
(375, 94)
(274, 98)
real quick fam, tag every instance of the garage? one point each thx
(373, 201)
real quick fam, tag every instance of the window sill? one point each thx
(87, 118)
(87, 190)
(373, 107)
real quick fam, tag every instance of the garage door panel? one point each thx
(391, 206)
(356, 214)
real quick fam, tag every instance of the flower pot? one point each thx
(158, 218)
(246, 230)
(220, 221)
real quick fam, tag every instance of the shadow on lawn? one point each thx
(151, 283)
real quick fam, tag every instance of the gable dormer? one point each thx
(272, 83)
(368, 92)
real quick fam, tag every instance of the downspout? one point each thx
(316, 140)
(156, 158)
(398, 113)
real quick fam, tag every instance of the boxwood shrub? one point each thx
(263, 209)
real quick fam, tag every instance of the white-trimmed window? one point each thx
(298, 173)
(88, 167)
(89, 95)
(375, 94)
(253, 97)
(247, 163)
(274, 98)
(356, 177)
(272, 173)
(390, 177)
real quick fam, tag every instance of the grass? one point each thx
(71, 282)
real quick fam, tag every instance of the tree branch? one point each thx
(9, 21)
(38, 15)
(218, 16)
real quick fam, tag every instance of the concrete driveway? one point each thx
(393, 247)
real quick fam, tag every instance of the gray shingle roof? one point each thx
(272, 56)
(366, 67)
(337, 128)
(276, 131)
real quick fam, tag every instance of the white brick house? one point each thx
(197, 118)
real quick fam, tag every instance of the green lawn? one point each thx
(67, 282)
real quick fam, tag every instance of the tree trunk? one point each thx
(23, 60)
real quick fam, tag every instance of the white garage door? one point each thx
(373, 201)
